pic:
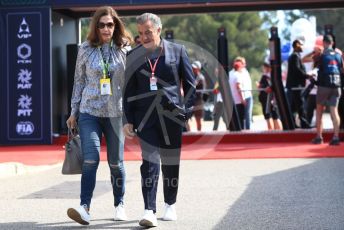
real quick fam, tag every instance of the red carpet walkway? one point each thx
(196, 147)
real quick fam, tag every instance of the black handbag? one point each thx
(73, 161)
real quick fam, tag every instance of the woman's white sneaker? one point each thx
(148, 219)
(120, 213)
(79, 215)
(170, 212)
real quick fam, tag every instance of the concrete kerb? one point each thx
(9, 169)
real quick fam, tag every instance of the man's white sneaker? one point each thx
(79, 215)
(120, 213)
(170, 212)
(148, 219)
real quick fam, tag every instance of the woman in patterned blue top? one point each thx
(97, 107)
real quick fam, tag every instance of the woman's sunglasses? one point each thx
(102, 25)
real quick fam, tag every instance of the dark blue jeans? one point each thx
(248, 112)
(91, 130)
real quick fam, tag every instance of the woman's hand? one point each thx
(71, 122)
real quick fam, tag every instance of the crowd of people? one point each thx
(151, 91)
(307, 90)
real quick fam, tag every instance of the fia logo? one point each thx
(24, 78)
(24, 30)
(24, 104)
(24, 52)
(25, 128)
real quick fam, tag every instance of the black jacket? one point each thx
(173, 71)
(296, 72)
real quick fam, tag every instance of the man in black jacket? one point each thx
(296, 80)
(156, 111)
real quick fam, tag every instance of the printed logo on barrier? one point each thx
(25, 128)
(24, 103)
(24, 30)
(24, 78)
(24, 52)
(26, 65)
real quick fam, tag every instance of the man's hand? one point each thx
(128, 131)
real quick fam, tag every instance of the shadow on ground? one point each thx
(71, 225)
(306, 197)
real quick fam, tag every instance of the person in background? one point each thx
(155, 111)
(313, 57)
(137, 40)
(329, 89)
(235, 83)
(246, 89)
(265, 97)
(297, 79)
(200, 85)
(219, 110)
(97, 107)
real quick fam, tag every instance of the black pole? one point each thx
(222, 55)
(276, 80)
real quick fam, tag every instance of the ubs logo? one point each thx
(24, 30)
(25, 128)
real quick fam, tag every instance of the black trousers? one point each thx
(157, 147)
(241, 112)
(311, 105)
(296, 102)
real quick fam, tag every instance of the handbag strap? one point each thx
(72, 133)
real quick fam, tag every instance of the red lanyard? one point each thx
(153, 67)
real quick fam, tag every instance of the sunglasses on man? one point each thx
(102, 25)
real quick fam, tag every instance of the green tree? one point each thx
(244, 33)
(84, 28)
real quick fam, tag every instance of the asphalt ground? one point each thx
(213, 194)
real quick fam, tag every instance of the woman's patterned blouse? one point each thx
(86, 97)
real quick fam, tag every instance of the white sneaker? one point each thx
(79, 215)
(170, 212)
(120, 213)
(148, 219)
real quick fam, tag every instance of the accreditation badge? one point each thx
(153, 85)
(105, 86)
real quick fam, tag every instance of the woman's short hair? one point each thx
(240, 59)
(143, 18)
(121, 37)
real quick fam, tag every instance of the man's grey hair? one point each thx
(143, 18)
